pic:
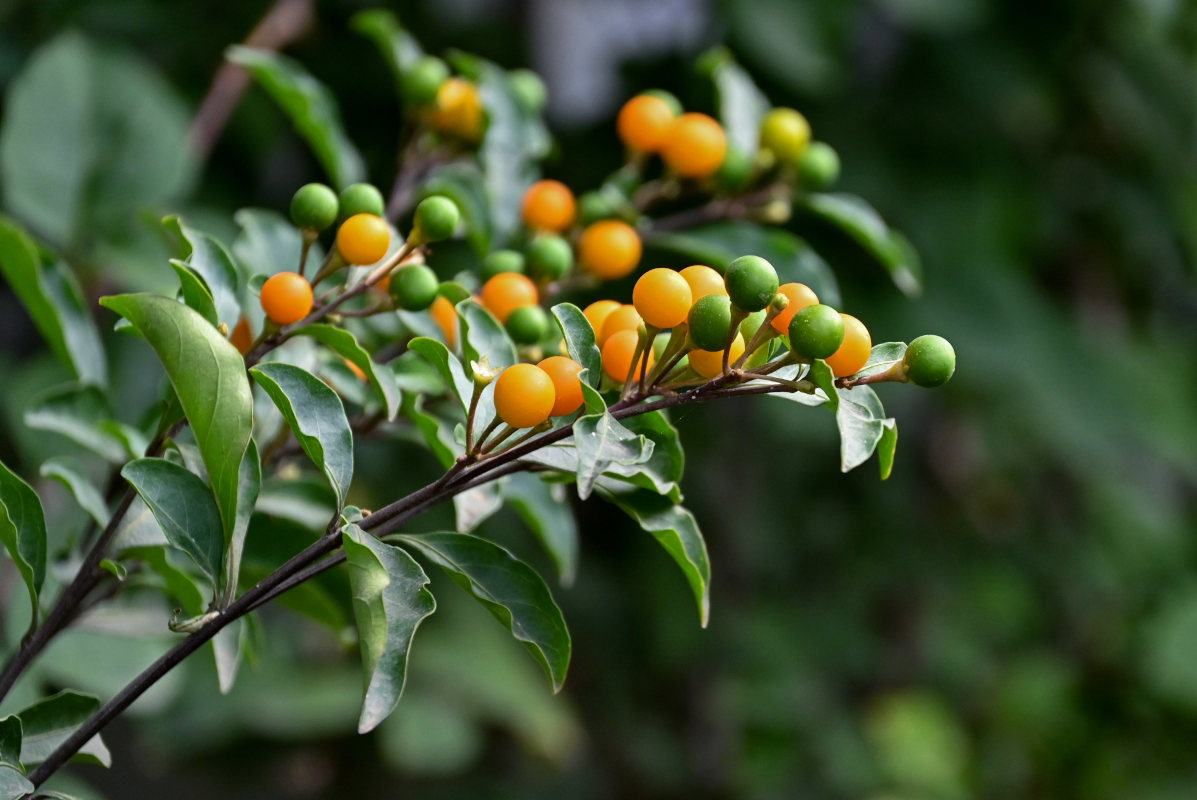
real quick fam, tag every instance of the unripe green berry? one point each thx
(735, 170)
(501, 261)
(592, 207)
(816, 331)
(710, 320)
(314, 207)
(785, 133)
(751, 282)
(360, 198)
(529, 88)
(752, 323)
(929, 361)
(819, 166)
(549, 258)
(414, 287)
(436, 218)
(527, 324)
(421, 81)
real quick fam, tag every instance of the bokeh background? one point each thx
(1012, 614)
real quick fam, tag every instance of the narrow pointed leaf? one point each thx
(395, 44)
(436, 354)
(602, 441)
(195, 292)
(228, 651)
(580, 340)
(510, 589)
(545, 510)
(249, 483)
(860, 221)
(67, 472)
(47, 723)
(82, 414)
(208, 375)
(887, 447)
(345, 344)
(184, 508)
(484, 336)
(316, 416)
(389, 603)
(208, 258)
(10, 741)
(23, 531)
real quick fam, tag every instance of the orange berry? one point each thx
(662, 297)
(363, 239)
(855, 349)
(524, 395)
(286, 297)
(609, 249)
(709, 363)
(506, 292)
(624, 318)
(568, 387)
(703, 281)
(596, 313)
(549, 206)
(643, 123)
(445, 316)
(695, 146)
(618, 351)
(242, 337)
(458, 109)
(800, 296)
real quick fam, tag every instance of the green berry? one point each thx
(414, 287)
(735, 170)
(360, 198)
(527, 324)
(502, 261)
(436, 218)
(674, 104)
(592, 207)
(421, 81)
(816, 331)
(529, 88)
(314, 207)
(929, 361)
(751, 282)
(710, 320)
(453, 292)
(785, 133)
(819, 166)
(752, 323)
(549, 258)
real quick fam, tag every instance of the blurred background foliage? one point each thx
(1012, 614)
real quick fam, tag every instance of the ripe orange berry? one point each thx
(800, 296)
(506, 292)
(363, 239)
(242, 337)
(286, 297)
(643, 123)
(609, 249)
(549, 206)
(695, 146)
(662, 298)
(524, 395)
(703, 281)
(445, 316)
(624, 318)
(596, 313)
(709, 363)
(854, 351)
(568, 387)
(458, 109)
(618, 351)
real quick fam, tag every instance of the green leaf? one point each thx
(886, 447)
(465, 184)
(474, 506)
(862, 422)
(317, 417)
(882, 357)
(10, 741)
(13, 784)
(397, 47)
(91, 136)
(545, 510)
(311, 107)
(185, 509)
(510, 589)
(178, 585)
(482, 335)
(82, 414)
(824, 378)
(389, 603)
(228, 650)
(414, 375)
(208, 375)
(68, 472)
(55, 303)
(580, 340)
(209, 259)
(269, 243)
(249, 484)
(675, 528)
(720, 243)
(860, 221)
(437, 433)
(662, 471)
(195, 292)
(450, 369)
(602, 441)
(47, 724)
(741, 103)
(138, 528)
(23, 531)
(344, 344)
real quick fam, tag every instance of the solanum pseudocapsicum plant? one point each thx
(304, 336)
